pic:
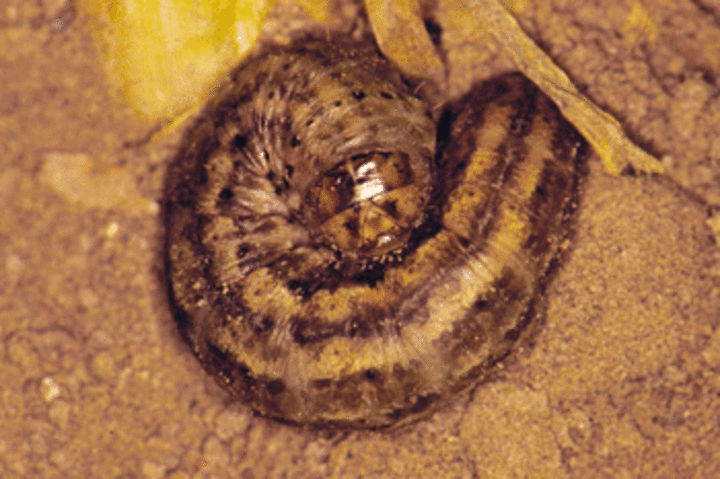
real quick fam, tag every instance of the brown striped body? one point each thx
(329, 267)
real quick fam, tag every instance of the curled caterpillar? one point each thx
(337, 256)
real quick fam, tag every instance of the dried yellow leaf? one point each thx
(401, 35)
(167, 55)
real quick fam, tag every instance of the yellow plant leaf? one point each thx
(167, 55)
(401, 35)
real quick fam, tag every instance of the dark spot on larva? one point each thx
(532, 243)
(296, 286)
(434, 30)
(480, 304)
(386, 95)
(310, 122)
(540, 191)
(261, 323)
(321, 384)
(275, 387)
(271, 95)
(225, 194)
(512, 335)
(239, 141)
(519, 125)
(290, 170)
(294, 141)
(270, 175)
(391, 208)
(182, 318)
(352, 329)
(286, 66)
(371, 274)
(243, 371)
(351, 225)
(242, 251)
(338, 103)
(358, 94)
(311, 330)
(372, 375)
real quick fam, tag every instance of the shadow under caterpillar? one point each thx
(337, 256)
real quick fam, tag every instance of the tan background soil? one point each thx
(623, 379)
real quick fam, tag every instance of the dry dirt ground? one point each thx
(622, 379)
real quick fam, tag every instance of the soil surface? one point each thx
(622, 379)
